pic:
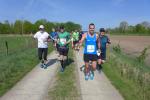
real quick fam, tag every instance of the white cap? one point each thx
(41, 27)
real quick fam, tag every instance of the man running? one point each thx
(42, 38)
(90, 51)
(80, 34)
(104, 41)
(53, 36)
(75, 40)
(63, 41)
(57, 45)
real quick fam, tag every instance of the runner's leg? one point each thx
(61, 52)
(94, 65)
(86, 68)
(86, 61)
(99, 65)
(45, 51)
(65, 56)
(40, 52)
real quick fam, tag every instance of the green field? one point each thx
(21, 58)
(128, 75)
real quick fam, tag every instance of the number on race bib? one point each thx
(63, 41)
(90, 48)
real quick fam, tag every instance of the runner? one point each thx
(63, 41)
(53, 36)
(80, 34)
(75, 40)
(104, 41)
(43, 38)
(90, 51)
(57, 45)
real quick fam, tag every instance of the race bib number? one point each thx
(90, 48)
(62, 41)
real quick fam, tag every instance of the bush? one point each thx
(143, 55)
(117, 48)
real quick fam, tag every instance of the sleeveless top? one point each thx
(90, 44)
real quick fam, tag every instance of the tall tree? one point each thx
(123, 26)
(18, 27)
(70, 26)
(27, 27)
(146, 24)
(140, 28)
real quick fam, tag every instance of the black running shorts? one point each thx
(90, 57)
(63, 51)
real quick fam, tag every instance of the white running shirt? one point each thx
(41, 37)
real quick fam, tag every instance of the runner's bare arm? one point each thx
(98, 41)
(108, 42)
(82, 39)
(69, 37)
(72, 42)
(34, 36)
(48, 39)
(68, 41)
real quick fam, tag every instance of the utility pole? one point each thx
(22, 25)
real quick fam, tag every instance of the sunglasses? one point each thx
(91, 28)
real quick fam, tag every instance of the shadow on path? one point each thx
(51, 62)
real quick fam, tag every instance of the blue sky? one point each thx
(104, 13)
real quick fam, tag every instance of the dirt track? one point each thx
(133, 44)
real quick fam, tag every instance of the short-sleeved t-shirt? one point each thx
(75, 36)
(53, 35)
(63, 38)
(42, 37)
(103, 40)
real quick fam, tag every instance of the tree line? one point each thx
(27, 27)
(125, 28)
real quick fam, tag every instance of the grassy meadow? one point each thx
(20, 59)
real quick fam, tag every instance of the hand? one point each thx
(65, 44)
(107, 45)
(48, 40)
(72, 46)
(45, 40)
(98, 52)
(55, 40)
(79, 45)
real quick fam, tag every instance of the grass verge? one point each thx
(128, 75)
(66, 87)
(16, 65)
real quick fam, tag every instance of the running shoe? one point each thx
(42, 65)
(91, 75)
(86, 77)
(62, 69)
(45, 66)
